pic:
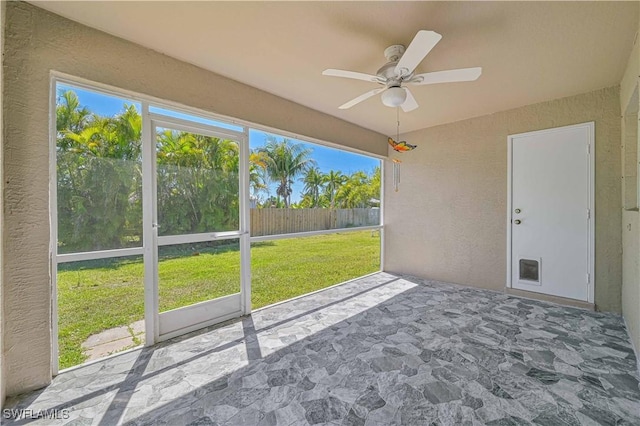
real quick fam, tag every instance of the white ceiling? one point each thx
(529, 51)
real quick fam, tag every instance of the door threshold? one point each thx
(550, 298)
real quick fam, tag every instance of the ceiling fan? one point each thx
(400, 70)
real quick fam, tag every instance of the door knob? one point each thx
(517, 221)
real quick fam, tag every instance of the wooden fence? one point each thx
(273, 221)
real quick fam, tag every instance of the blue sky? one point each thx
(326, 158)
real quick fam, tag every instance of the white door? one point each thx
(551, 212)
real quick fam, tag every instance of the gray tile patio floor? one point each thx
(380, 350)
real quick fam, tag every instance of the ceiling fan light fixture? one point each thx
(394, 96)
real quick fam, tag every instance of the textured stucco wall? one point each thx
(2, 373)
(630, 220)
(448, 220)
(630, 78)
(630, 275)
(38, 42)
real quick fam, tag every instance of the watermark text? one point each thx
(31, 414)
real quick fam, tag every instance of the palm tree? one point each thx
(286, 161)
(70, 117)
(314, 181)
(355, 192)
(257, 174)
(197, 182)
(98, 176)
(360, 190)
(334, 181)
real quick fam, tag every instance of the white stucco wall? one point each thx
(630, 219)
(632, 72)
(2, 373)
(38, 42)
(630, 275)
(448, 221)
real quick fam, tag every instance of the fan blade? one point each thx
(362, 97)
(450, 76)
(421, 45)
(410, 103)
(351, 74)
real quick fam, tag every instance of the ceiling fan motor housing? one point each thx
(388, 71)
(393, 53)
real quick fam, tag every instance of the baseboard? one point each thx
(548, 298)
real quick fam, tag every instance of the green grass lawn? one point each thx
(98, 295)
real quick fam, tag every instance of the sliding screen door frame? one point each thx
(175, 322)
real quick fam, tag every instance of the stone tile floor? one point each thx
(380, 350)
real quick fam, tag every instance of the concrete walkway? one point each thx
(114, 340)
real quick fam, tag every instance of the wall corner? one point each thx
(630, 141)
(632, 72)
(2, 369)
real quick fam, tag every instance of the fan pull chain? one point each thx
(398, 124)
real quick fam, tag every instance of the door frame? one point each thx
(196, 316)
(590, 126)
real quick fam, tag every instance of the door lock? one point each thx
(518, 211)
(517, 221)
